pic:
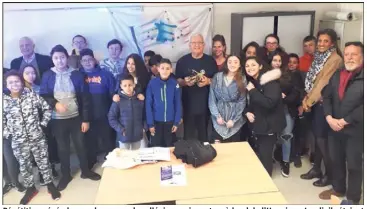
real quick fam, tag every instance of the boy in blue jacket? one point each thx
(127, 116)
(163, 106)
(101, 83)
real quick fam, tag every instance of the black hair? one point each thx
(222, 40)
(333, 37)
(356, 43)
(85, 52)
(281, 58)
(149, 53)
(78, 36)
(294, 56)
(127, 77)
(244, 50)
(114, 41)
(59, 48)
(273, 36)
(13, 73)
(309, 38)
(167, 61)
(141, 71)
(155, 60)
(21, 71)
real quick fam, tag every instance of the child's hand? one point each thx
(174, 129)
(116, 98)
(230, 124)
(60, 107)
(220, 120)
(152, 131)
(85, 127)
(141, 97)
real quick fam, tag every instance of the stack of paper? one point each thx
(173, 175)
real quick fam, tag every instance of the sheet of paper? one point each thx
(177, 177)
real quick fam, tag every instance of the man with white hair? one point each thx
(343, 107)
(41, 62)
(194, 72)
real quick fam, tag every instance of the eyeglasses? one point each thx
(87, 60)
(271, 43)
(197, 43)
(79, 42)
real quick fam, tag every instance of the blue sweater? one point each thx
(101, 85)
(163, 101)
(80, 86)
(127, 118)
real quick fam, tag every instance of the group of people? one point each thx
(263, 95)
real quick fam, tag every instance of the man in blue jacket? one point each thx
(163, 106)
(101, 87)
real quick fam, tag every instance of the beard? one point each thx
(351, 66)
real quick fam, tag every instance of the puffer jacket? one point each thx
(21, 116)
(127, 118)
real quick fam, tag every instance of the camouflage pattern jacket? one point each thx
(24, 116)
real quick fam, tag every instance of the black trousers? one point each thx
(196, 123)
(320, 130)
(98, 139)
(264, 145)
(346, 156)
(234, 138)
(302, 127)
(63, 130)
(53, 154)
(163, 136)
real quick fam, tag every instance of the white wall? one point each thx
(353, 7)
(222, 13)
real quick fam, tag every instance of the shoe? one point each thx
(63, 183)
(20, 187)
(285, 169)
(42, 181)
(7, 187)
(91, 165)
(311, 174)
(322, 182)
(297, 162)
(54, 172)
(90, 175)
(312, 158)
(326, 195)
(55, 194)
(29, 194)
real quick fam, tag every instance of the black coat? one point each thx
(266, 104)
(350, 107)
(44, 63)
(292, 88)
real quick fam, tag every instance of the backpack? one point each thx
(194, 152)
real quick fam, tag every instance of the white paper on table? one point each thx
(178, 176)
(155, 153)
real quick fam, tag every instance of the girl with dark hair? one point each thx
(290, 95)
(227, 100)
(79, 43)
(66, 91)
(219, 51)
(271, 46)
(29, 74)
(265, 111)
(326, 61)
(252, 49)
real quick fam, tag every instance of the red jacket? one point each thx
(305, 62)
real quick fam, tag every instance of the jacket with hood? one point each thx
(265, 102)
(163, 101)
(80, 86)
(350, 107)
(21, 116)
(101, 85)
(127, 118)
(293, 89)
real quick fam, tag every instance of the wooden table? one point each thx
(267, 198)
(235, 171)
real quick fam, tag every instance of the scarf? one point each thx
(345, 77)
(316, 66)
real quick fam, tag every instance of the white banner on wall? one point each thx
(163, 29)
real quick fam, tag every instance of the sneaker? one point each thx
(29, 194)
(297, 162)
(55, 194)
(20, 187)
(285, 169)
(7, 188)
(42, 181)
(63, 183)
(90, 175)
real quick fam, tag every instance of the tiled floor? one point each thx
(81, 191)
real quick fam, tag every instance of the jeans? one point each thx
(286, 136)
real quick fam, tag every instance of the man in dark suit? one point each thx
(41, 62)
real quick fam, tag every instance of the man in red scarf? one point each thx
(343, 107)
